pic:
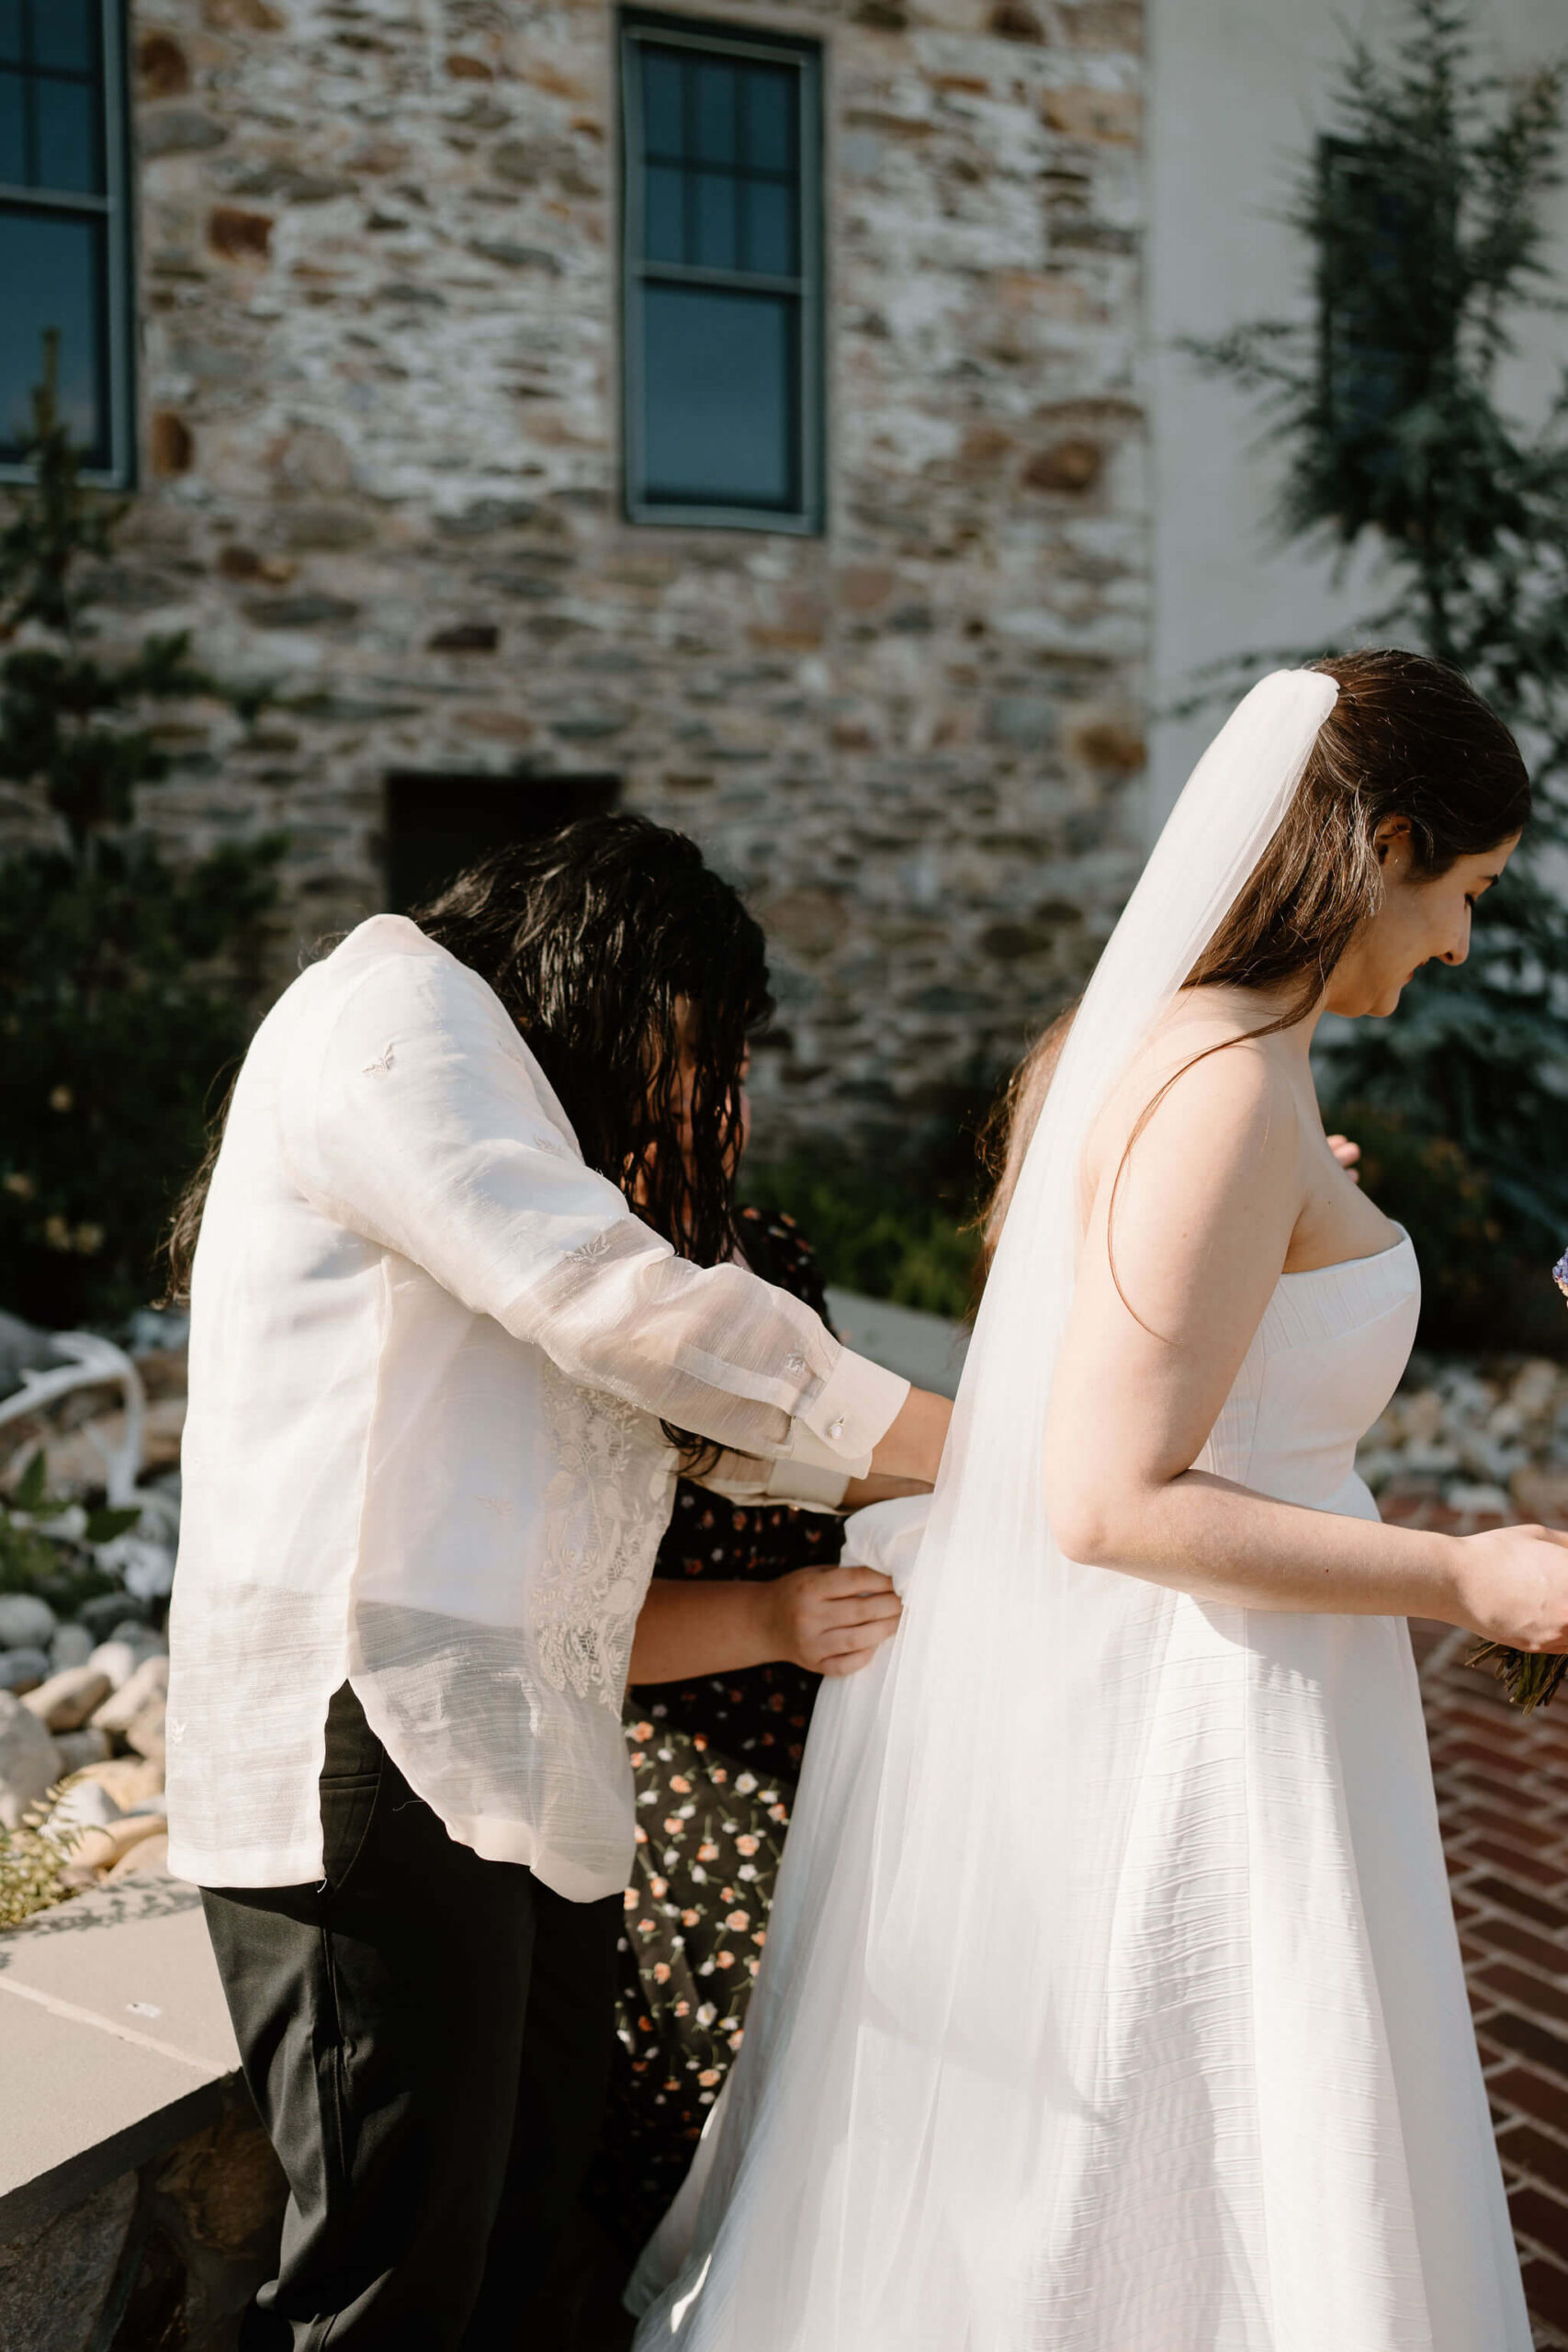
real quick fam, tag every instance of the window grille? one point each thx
(723, 275)
(65, 226)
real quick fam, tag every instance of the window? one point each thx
(437, 824)
(64, 245)
(1381, 332)
(723, 275)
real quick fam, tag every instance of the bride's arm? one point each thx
(1207, 1204)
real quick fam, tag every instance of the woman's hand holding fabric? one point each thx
(832, 1620)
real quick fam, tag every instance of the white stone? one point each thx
(146, 1733)
(119, 1656)
(147, 1681)
(30, 1761)
(66, 1700)
(148, 1567)
(25, 1621)
(86, 1805)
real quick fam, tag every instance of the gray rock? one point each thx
(29, 1765)
(55, 2279)
(178, 130)
(101, 1615)
(72, 1645)
(24, 1348)
(136, 1629)
(80, 1748)
(25, 1621)
(66, 1700)
(22, 1669)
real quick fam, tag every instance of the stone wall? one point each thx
(167, 2256)
(379, 391)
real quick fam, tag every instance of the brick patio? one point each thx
(1502, 1780)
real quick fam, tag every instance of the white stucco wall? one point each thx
(1239, 90)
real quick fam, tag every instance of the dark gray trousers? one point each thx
(426, 2036)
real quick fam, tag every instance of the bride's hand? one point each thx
(1513, 1587)
(832, 1620)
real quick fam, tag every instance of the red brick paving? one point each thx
(1502, 1780)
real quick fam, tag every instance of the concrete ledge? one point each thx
(925, 1349)
(115, 2043)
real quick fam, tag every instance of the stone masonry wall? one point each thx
(379, 388)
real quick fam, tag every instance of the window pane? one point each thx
(664, 214)
(50, 272)
(718, 397)
(715, 111)
(717, 221)
(770, 238)
(68, 140)
(662, 75)
(13, 131)
(64, 34)
(11, 30)
(770, 142)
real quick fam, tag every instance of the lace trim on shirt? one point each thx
(603, 1528)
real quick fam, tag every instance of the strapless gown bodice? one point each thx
(1328, 1356)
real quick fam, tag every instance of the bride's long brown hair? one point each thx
(1407, 738)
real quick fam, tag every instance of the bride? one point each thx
(1112, 2000)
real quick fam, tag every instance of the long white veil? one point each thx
(926, 2146)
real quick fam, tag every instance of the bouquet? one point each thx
(1530, 1676)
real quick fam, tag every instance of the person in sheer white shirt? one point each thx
(442, 1374)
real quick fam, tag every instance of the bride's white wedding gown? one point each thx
(1287, 2146)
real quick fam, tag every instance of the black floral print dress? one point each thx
(715, 1764)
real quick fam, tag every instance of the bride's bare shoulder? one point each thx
(1180, 1086)
(1185, 1042)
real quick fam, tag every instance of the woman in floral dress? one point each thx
(715, 1758)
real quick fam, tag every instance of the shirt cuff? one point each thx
(851, 1413)
(807, 1485)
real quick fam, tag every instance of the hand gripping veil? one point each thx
(999, 2093)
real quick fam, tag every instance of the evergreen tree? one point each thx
(1423, 216)
(118, 1006)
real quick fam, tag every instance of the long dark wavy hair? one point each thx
(637, 976)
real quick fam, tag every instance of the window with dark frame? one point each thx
(65, 226)
(722, 343)
(438, 822)
(1374, 358)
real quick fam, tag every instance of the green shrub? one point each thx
(33, 1862)
(873, 1235)
(1423, 226)
(120, 1000)
(47, 1545)
(1479, 1290)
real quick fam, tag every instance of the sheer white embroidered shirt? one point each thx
(431, 1352)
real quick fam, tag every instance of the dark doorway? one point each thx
(437, 823)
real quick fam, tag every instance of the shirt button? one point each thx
(835, 1429)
